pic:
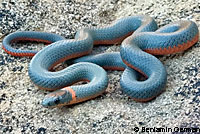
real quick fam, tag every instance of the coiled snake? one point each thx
(140, 38)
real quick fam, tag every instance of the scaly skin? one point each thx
(135, 54)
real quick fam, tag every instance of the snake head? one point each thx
(57, 98)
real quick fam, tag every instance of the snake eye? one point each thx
(56, 101)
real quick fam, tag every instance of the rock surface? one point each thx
(113, 112)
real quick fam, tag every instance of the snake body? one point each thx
(140, 38)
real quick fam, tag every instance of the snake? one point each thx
(141, 40)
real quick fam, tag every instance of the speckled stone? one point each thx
(113, 112)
